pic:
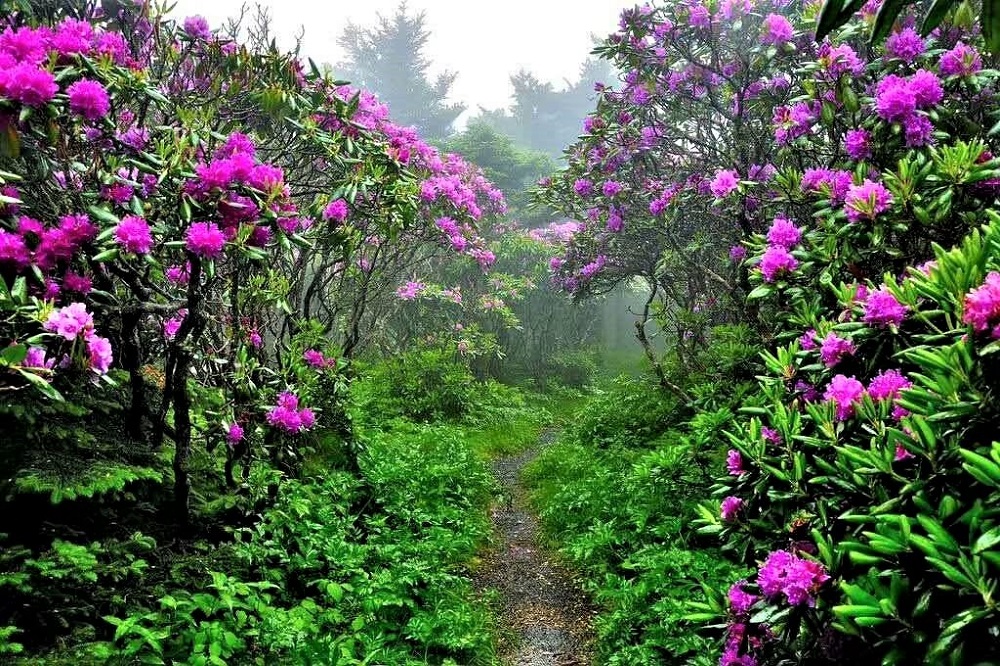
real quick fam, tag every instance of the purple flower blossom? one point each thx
(336, 211)
(737, 253)
(962, 60)
(844, 393)
(777, 30)
(919, 131)
(99, 354)
(895, 101)
(133, 234)
(611, 188)
(981, 309)
(28, 85)
(784, 233)
(70, 321)
(857, 143)
(88, 99)
(730, 507)
(734, 462)
(234, 434)
(833, 349)
(775, 262)
(926, 88)
(882, 309)
(205, 239)
(725, 183)
(740, 600)
(905, 45)
(867, 200)
(197, 27)
(583, 187)
(798, 579)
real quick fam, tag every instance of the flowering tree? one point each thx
(176, 204)
(674, 163)
(858, 487)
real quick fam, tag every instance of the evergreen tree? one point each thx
(389, 60)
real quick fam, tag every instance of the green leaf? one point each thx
(42, 385)
(935, 15)
(886, 18)
(13, 354)
(989, 19)
(829, 18)
(986, 541)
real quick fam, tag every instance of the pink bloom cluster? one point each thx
(898, 99)
(725, 183)
(962, 60)
(411, 290)
(845, 393)
(74, 322)
(316, 359)
(731, 507)
(830, 183)
(867, 200)
(797, 579)
(777, 261)
(981, 309)
(134, 235)
(287, 415)
(882, 309)
(784, 233)
(834, 348)
(734, 462)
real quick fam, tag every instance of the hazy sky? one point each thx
(484, 42)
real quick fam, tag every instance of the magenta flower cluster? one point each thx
(787, 575)
(74, 322)
(981, 308)
(288, 416)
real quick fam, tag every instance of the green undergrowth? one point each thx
(616, 494)
(329, 566)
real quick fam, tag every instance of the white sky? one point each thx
(485, 42)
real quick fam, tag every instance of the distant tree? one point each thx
(511, 167)
(543, 117)
(389, 60)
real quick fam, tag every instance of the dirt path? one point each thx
(545, 616)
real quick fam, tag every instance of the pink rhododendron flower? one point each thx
(798, 579)
(784, 233)
(857, 144)
(845, 393)
(611, 188)
(770, 435)
(88, 99)
(205, 239)
(905, 45)
(731, 507)
(894, 99)
(255, 340)
(867, 200)
(197, 27)
(411, 290)
(740, 600)
(833, 349)
(234, 434)
(887, 385)
(734, 462)
(583, 187)
(808, 340)
(982, 305)
(882, 309)
(962, 60)
(35, 358)
(336, 211)
(777, 30)
(29, 85)
(70, 321)
(737, 253)
(724, 183)
(134, 235)
(775, 262)
(99, 354)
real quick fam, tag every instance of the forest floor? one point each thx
(546, 619)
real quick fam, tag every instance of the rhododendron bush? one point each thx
(181, 212)
(851, 191)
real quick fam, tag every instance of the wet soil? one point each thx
(546, 618)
